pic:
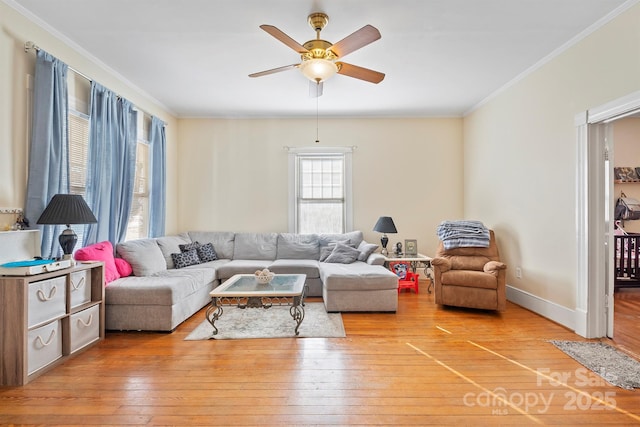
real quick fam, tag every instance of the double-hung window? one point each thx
(138, 221)
(138, 225)
(320, 190)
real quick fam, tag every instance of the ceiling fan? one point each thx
(320, 57)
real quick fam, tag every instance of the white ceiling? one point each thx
(440, 57)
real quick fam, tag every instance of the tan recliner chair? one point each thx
(470, 277)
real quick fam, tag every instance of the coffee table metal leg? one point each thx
(213, 313)
(297, 312)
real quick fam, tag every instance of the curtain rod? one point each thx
(29, 45)
(32, 46)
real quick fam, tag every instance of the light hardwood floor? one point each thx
(424, 365)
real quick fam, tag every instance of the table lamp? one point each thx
(385, 225)
(67, 209)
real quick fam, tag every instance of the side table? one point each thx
(415, 261)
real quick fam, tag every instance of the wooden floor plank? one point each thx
(424, 365)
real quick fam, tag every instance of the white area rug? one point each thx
(274, 322)
(614, 366)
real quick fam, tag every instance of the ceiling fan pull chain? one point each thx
(317, 112)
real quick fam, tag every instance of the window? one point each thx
(320, 187)
(78, 152)
(79, 94)
(138, 225)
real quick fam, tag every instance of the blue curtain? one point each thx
(157, 193)
(49, 145)
(111, 160)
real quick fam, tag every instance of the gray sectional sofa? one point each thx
(158, 296)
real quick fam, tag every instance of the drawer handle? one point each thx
(49, 341)
(43, 297)
(80, 284)
(89, 321)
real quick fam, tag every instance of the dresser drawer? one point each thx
(80, 287)
(44, 346)
(85, 327)
(47, 300)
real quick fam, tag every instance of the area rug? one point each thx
(611, 364)
(274, 322)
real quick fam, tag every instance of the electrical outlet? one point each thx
(518, 272)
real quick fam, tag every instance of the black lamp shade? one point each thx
(67, 209)
(385, 225)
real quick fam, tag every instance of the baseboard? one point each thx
(552, 311)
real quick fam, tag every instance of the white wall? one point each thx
(15, 66)
(520, 155)
(234, 173)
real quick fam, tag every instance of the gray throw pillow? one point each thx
(326, 250)
(366, 249)
(188, 246)
(343, 254)
(186, 258)
(207, 253)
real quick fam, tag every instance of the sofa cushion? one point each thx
(366, 249)
(171, 244)
(168, 288)
(144, 255)
(185, 259)
(343, 254)
(298, 246)
(206, 253)
(256, 246)
(358, 276)
(102, 251)
(310, 267)
(475, 279)
(222, 241)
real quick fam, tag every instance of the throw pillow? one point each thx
(327, 248)
(185, 259)
(102, 251)
(188, 246)
(366, 249)
(206, 253)
(123, 267)
(343, 254)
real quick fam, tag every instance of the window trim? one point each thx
(294, 153)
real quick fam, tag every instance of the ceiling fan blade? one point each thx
(278, 34)
(274, 70)
(359, 72)
(355, 41)
(315, 89)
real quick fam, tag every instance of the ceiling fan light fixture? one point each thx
(318, 70)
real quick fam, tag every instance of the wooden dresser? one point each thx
(47, 318)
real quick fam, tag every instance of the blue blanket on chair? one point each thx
(463, 234)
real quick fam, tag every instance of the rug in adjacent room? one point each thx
(611, 364)
(274, 322)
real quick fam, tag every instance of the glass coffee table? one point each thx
(244, 291)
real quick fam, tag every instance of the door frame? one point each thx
(594, 228)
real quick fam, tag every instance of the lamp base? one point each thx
(69, 257)
(384, 240)
(68, 240)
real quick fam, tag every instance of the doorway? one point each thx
(594, 208)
